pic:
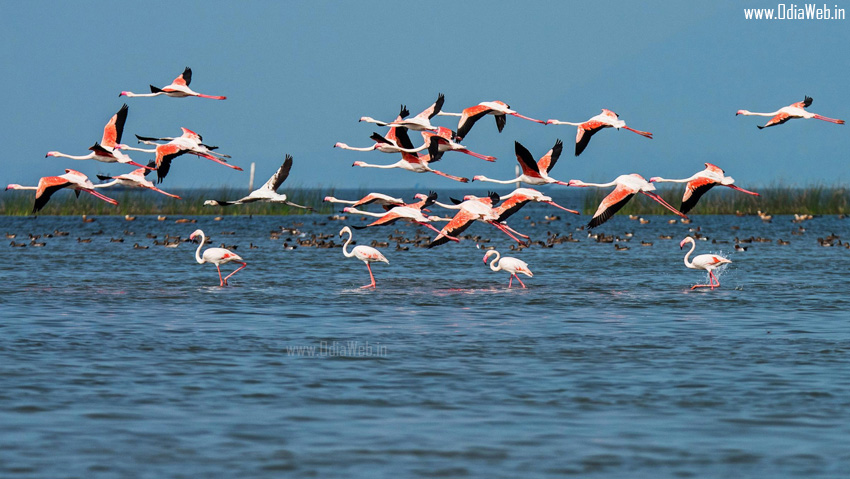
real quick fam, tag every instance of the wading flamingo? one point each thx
(416, 164)
(419, 122)
(366, 254)
(533, 173)
(47, 185)
(626, 187)
(794, 110)
(470, 115)
(708, 262)
(585, 130)
(179, 88)
(105, 151)
(266, 193)
(134, 179)
(509, 264)
(700, 183)
(216, 256)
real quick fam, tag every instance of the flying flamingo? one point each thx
(366, 254)
(416, 164)
(47, 185)
(443, 140)
(509, 264)
(700, 183)
(470, 210)
(189, 142)
(179, 88)
(518, 198)
(134, 179)
(533, 173)
(470, 115)
(626, 187)
(216, 256)
(378, 198)
(105, 150)
(794, 110)
(419, 122)
(266, 193)
(411, 212)
(708, 262)
(395, 141)
(606, 119)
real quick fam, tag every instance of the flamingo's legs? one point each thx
(220, 279)
(510, 281)
(520, 281)
(371, 276)
(231, 274)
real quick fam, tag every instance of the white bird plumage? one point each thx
(510, 264)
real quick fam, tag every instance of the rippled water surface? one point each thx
(123, 362)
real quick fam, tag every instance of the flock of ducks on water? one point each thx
(437, 140)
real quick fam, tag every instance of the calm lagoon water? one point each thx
(123, 362)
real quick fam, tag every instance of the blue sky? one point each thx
(298, 75)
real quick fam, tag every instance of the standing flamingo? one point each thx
(47, 185)
(533, 173)
(443, 140)
(794, 110)
(216, 256)
(366, 254)
(470, 115)
(700, 183)
(266, 193)
(585, 130)
(708, 262)
(626, 187)
(179, 88)
(419, 122)
(105, 151)
(416, 164)
(509, 264)
(134, 179)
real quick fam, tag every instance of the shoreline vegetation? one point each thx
(774, 199)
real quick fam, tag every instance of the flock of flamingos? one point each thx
(437, 140)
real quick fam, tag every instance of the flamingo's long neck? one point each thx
(19, 187)
(597, 185)
(448, 207)
(666, 180)
(496, 257)
(503, 182)
(754, 113)
(63, 155)
(369, 165)
(345, 245)
(198, 251)
(446, 113)
(559, 122)
(688, 255)
(361, 212)
(107, 185)
(133, 148)
(352, 148)
(131, 94)
(331, 199)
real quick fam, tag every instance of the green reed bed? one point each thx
(774, 199)
(146, 202)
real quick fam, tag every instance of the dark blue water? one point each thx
(121, 362)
